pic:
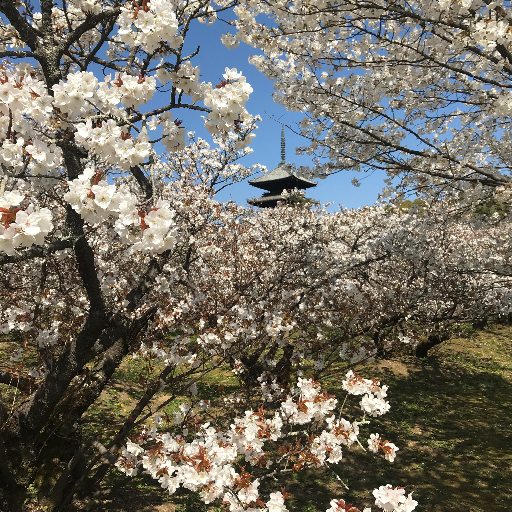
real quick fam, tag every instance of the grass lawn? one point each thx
(451, 416)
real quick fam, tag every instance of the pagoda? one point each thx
(275, 182)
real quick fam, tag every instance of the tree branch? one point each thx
(25, 30)
(36, 252)
(143, 181)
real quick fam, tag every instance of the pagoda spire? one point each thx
(282, 147)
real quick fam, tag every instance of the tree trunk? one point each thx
(433, 340)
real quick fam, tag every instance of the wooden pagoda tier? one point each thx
(275, 182)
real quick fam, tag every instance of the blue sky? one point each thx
(212, 59)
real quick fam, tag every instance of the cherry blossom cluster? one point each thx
(387, 498)
(227, 102)
(373, 402)
(21, 226)
(24, 103)
(207, 463)
(149, 24)
(113, 145)
(375, 443)
(96, 201)
(185, 78)
(173, 134)
(82, 94)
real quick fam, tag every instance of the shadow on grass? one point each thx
(451, 416)
(454, 429)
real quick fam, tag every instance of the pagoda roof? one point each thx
(271, 200)
(266, 201)
(282, 175)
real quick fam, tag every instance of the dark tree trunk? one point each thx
(433, 340)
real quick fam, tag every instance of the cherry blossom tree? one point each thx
(419, 90)
(112, 245)
(81, 202)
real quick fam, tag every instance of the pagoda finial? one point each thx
(282, 146)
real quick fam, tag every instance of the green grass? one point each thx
(451, 417)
